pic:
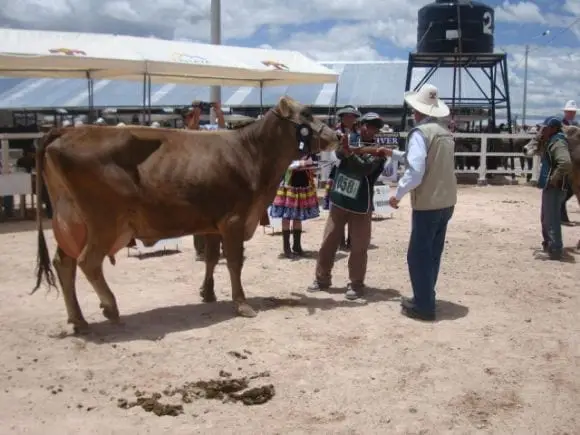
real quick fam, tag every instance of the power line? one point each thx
(550, 41)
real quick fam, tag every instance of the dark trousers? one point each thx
(551, 218)
(428, 231)
(8, 205)
(563, 211)
(360, 228)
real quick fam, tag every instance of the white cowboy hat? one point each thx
(121, 124)
(427, 102)
(570, 106)
(155, 124)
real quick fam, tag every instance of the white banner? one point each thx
(381, 200)
(275, 223)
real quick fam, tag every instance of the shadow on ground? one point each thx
(447, 310)
(156, 323)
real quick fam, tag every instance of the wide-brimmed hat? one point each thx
(348, 110)
(426, 101)
(372, 118)
(570, 106)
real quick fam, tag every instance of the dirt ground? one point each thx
(503, 358)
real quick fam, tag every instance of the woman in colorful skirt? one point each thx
(296, 201)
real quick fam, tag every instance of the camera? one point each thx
(203, 105)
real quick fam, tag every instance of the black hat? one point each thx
(372, 118)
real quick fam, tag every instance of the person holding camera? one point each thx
(192, 122)
(352, 204)
(192, 119)
(348, 117)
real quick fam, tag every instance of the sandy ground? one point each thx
(503, 358)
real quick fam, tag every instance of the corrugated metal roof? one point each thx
(361, 84)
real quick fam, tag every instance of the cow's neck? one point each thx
(274, 141)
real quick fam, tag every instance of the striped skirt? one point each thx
(295, 203)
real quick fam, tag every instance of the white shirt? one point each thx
(416, 160)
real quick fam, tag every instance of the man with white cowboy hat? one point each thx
(569, 109)
(430, 178)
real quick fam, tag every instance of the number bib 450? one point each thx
(346, 186)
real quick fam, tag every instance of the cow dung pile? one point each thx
(227, 390)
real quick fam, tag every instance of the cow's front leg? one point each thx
(212, 255)
(234, 247)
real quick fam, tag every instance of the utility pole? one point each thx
(216, 39)
(460, 58)
(525, 102)
(526, 56)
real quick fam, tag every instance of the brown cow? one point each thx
(109, 185)
(537, 146)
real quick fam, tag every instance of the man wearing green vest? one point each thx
(430, 179)
(554, 170)
(351, 199)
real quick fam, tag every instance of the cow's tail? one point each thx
(43, 264)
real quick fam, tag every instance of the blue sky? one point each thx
(338, 30)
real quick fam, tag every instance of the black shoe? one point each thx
(317, 286)
(409, 309)
(354, 292)
(287, 251)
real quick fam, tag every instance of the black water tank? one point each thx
(437, 27)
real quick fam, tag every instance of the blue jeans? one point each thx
(428, 231)
(551, 217)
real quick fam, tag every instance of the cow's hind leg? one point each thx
(91, 263)
(212, 255)
(234, 244)
(66, 270)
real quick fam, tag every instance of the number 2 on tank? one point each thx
(487, 23)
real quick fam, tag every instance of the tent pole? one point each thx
(149, 99)
(261, 98)
(216, 39)
(90, 101)
(144, 96)
(335, 104)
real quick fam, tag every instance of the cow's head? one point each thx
(533, 146)
(537, 145)
(312, 135)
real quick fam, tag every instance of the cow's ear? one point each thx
(284, 107)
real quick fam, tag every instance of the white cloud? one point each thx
(522, 12)
(572, 6)
(357, 30)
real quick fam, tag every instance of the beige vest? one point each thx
(438, 189)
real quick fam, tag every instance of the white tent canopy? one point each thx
(32, 53)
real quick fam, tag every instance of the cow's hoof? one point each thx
(111, 313)
(207, 297)
(80, 327)
(244, 310)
